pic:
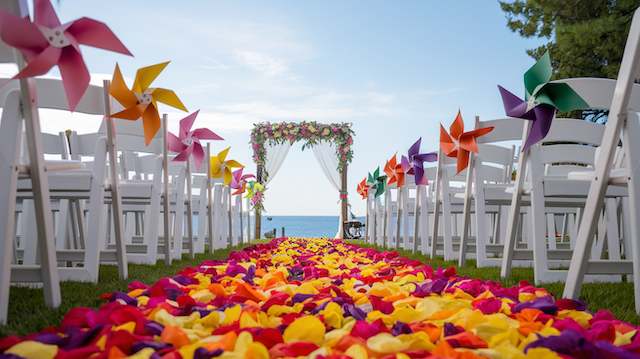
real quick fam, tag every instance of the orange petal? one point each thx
(151, 123)
(457, 127)
(174, 335)
(119, 90)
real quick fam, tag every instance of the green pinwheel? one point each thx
(377, 182)
(542, 99)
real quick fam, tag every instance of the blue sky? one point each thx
(394, 69)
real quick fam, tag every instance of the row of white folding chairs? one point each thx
(496, 188)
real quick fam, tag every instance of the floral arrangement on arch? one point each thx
(311, 132)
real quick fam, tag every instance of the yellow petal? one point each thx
(146, 75)
(386, 343)
(31, 349)
(357, 351)
(305, 329)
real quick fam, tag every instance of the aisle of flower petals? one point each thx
(328, 299)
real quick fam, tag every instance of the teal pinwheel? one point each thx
(542, 99)
(377, 182)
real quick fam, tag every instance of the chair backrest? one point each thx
(504, 129)
(130, 137)
(570, 146)
(598, 93)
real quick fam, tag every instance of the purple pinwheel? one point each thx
(542, 99)
(413, 163)
(188, 142)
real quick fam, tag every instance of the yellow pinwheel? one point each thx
(141, 100)
(222, 168)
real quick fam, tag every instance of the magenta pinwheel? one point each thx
(187, 142)
(239, 181)
(46, 42)
(413, 162)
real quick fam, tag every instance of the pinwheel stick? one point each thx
(165, 178)
(230, 209)
(116, 200)
(192, 253)
(209, 201)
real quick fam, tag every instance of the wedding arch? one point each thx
(330, 143)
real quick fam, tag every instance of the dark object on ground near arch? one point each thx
(353, 229)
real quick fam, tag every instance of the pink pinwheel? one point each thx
(188, 142)
(239, 181)
(46, 42)
(413, 163)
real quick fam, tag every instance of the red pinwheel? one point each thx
(239, 181)
(188, 142)
(458, 143)
(46, 42)
(413, 163)
(363, 188)
(394, 172)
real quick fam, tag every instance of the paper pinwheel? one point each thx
(363, 188)
(141, 100)
(46, 42)
(542, 100)
(188, 142)
(221, 167)
(458, 143)
(395, 172)
(239, 181)
(413, 163)
(377, 182)
(255, 194)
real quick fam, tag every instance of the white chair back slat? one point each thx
(504, 129)
(495, 154)
(573, 130)
(568, 154)
(598, 93)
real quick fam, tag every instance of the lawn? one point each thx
(27, 313)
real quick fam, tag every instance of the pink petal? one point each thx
(184, 155)
(75, 76)
(173, 143)
(21, 33)
(198, 154)
(206, 134)
(41, 63)
(44, 14)
(186, 123)
(97, 34)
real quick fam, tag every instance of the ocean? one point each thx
(302, 226)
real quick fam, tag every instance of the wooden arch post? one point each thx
(259, 175)
(344, 199)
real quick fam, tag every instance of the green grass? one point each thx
(616, 297)
(28, 314)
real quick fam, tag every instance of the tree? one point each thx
(586, 38)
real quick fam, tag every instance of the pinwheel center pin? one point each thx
(188, 141)
(144, 98)
(531, 103)
(56, 36)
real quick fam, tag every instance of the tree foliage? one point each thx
(585, 37)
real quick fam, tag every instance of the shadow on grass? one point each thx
(616, 297)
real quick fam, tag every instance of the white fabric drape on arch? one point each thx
(325, 153)
(274, 158)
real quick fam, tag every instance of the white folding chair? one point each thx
(569, 146)
(488, 175)
(622, 124)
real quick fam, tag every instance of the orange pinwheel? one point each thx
(458, 143)
(363, 188)
(394, 171)
(141, 100)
